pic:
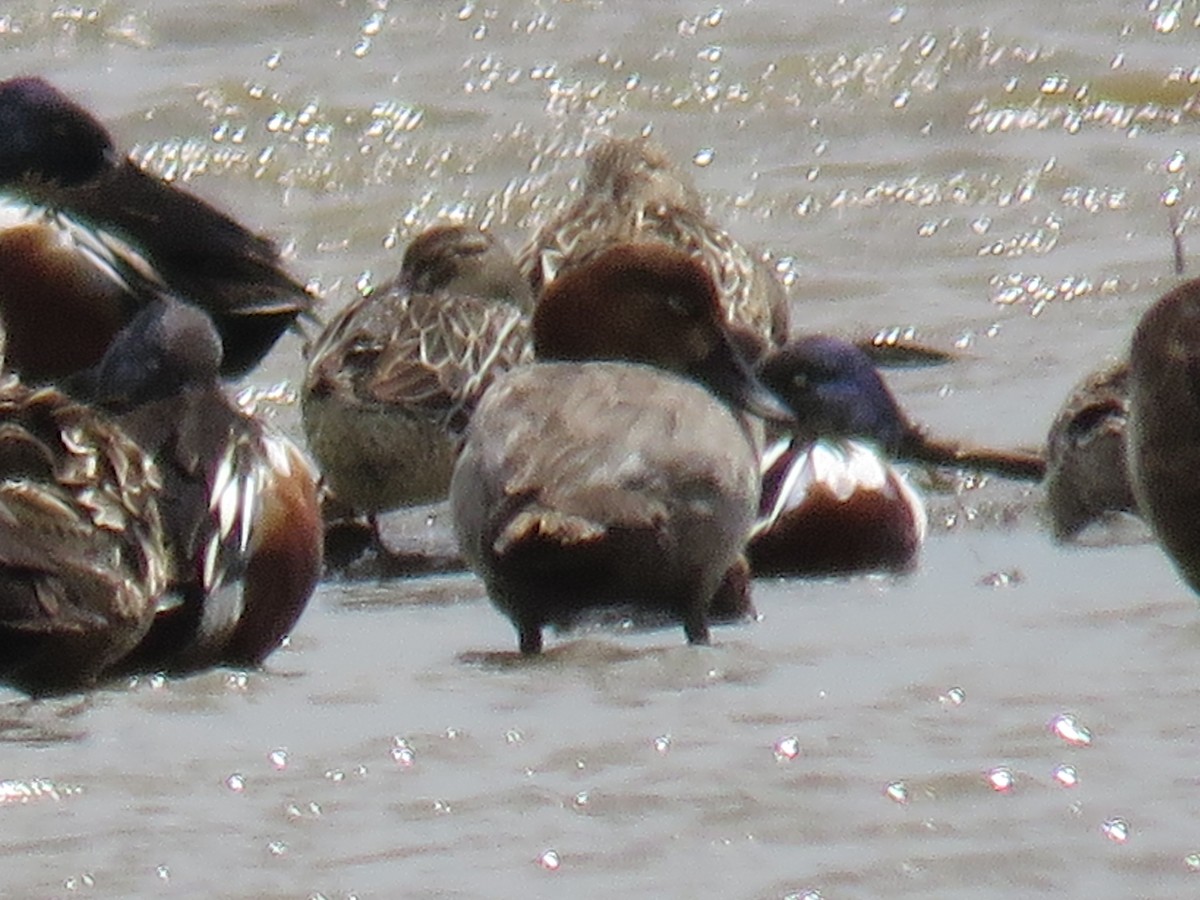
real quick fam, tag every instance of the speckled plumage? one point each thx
(633, 194)
(83, 557)
(393, 379)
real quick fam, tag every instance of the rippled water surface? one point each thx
(1013, 719)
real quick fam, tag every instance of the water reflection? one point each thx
(994, 177)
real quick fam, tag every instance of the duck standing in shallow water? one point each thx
(633, 194)
(586, 484)
(83, 555)
(117, 236)
(392, 381)
(1164, 424)
(1086, 473)
(239, 503)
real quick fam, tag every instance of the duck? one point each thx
(91, 238)
(835, 507)
(632, 193)
(614, 470)
(239, 502)
(1163, 430)
(832, 503)
(832, 500)
(83, 548)
(834, 388)
(1086, 473)
(392, 380)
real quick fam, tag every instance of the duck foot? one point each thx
(356, 549)
(346, 541)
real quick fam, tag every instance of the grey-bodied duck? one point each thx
(615, 471)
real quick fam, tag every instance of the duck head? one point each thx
(1086, 472)
(46, 136)
(636, 171)
(652, 304)
(465, 261)
(834, 390)
(166, 347)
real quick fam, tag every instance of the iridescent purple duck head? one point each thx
(831, 501)
(835, 391)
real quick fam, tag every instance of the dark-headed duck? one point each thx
(239, 503)
(831, 500)
(101, 238)
(835, 390)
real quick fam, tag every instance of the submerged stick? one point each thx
(1029, 465)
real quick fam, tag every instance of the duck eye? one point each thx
(800, 380)
(679, 306)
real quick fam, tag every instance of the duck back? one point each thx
(595, 484)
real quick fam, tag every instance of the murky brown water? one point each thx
(992, 174)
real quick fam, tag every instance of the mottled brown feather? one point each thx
(633, 194)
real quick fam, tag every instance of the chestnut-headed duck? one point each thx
(116, 236)
(613, 472)
(633, 194)
(396, 374)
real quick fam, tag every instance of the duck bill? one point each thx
(730, 377)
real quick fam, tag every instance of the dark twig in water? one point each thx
(1024, 464)
(892, 353)
(1176, 238)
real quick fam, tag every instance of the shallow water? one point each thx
(995, 176)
